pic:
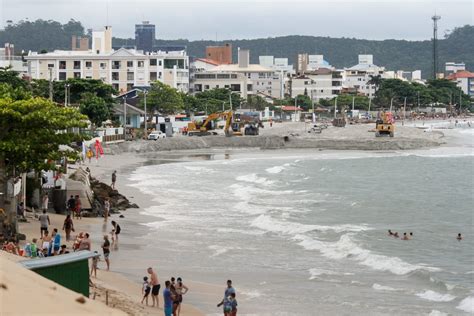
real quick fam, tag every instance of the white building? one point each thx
(244, 78)
(8, 59)
(357, 76)
(323, 83)
(310, 63)
(452, 67)
(123, 68)
(464, 80)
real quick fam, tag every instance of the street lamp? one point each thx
(66, 94)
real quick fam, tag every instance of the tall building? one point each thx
(220, 54)
(122, 68)
(452, 67)
(144, 36)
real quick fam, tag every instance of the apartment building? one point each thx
(122, 68)
(358, 76)
(220, 54)
(8, 59)
(465, 80)
(243, 78)
(323, 83)
(452, 67)
(306, 62)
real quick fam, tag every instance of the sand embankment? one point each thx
(294, 135)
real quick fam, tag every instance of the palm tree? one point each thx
(376, 81)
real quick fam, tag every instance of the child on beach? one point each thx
(145, 290)
(95, 262)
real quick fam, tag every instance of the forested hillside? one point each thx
(458, 46)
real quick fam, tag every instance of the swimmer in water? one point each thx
(411, 235)
(459, 237)
(405, 237)
(390, 232)
(395, 235)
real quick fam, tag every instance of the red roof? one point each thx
(208, 61)
(291, 108)
(461, 74)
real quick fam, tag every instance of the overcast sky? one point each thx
(241, 19)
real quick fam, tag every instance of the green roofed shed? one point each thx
(70, 270)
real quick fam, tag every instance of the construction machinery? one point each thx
(384, 125)
(208, 126)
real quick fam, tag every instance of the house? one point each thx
(290, 112)
(133, 114)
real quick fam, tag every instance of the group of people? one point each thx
(408, 237)
(395, 235)
(172, 293)
(74, 207)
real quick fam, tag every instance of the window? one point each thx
(115, 76)
(88, 64)
(159, 75)
(129, 63)
(153, 62)
(217, 86)
(62, 64)
(170, 63)
(140, 64)
(88, 77)
(129, 86)
(50, 65)
(249, 87)
(159, 63)
(77, 75)
(130, 75)
(103, 65)
(77, 64)
(206, 87)
(235, 87)
(62, 76)
(153, 76)
(116, 64)
(198, 87)
(223, 76)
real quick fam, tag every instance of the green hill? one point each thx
(457, 46)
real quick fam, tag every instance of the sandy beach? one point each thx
(123, 294)
(130, 258)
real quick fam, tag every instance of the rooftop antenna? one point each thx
(435, 19)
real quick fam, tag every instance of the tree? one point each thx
(163, 98)
(95, 108)
(257, 102)
(376, 81)
(11, 77)
(217, 98)
(32, 130)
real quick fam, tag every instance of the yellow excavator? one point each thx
(206, 127)
(384, 125)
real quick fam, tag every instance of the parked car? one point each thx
(155, 135)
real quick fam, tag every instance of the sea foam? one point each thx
(253, 178)
(467, 304)
(435, 296)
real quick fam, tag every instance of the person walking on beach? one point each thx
(155, 287)
(44, 222)
(106, 249)
(56, 241)
(117, 230)
(181, 289)
(95, 263)
(46, 244)
(45, 202)
(78, 207)
(168, 299)
(146, 289)
(106, 209)
(114, 179)
(71, 205)
(228, 291)
(68, 226)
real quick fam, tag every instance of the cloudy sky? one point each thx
(239, 19)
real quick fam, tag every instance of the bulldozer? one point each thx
(384, 125)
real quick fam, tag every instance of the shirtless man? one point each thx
(155, 287)
(85, 243)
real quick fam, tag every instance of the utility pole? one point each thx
(404, 110)
(65, 95)
(50, 84)
(335, 107)
(146, 128)
(124, 118)
(460, 102)
(230, 99)
(370, 102)
(296, 103)
(435, 19)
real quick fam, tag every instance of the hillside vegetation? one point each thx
(457, 46)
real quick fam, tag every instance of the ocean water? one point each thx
(305, 232)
